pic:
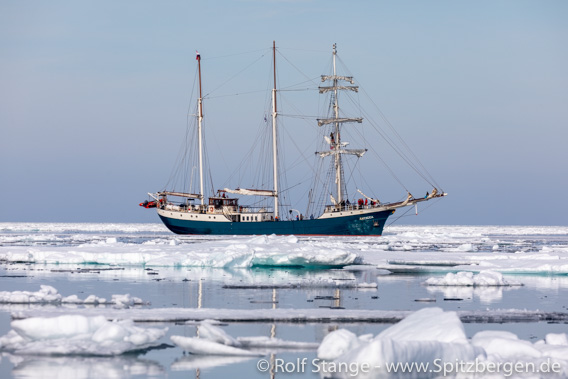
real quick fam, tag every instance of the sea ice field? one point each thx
(135, 301)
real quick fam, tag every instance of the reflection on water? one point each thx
(485, 294)
(194, 362)
(123, 366)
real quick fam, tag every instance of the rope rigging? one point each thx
(256, 169)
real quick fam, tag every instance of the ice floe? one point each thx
(50, 295)
(436, 338)
(201, 346)
(414, 249)
(233, 252)
(212, 340)
(77, 335)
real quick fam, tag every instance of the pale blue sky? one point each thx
(478, 89)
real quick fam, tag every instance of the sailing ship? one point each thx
(221, 213)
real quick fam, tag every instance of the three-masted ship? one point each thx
(222, 214)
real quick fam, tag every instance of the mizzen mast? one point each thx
(199, 132)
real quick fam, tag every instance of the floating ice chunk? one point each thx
(504, 345)
(203, 346)
(92, 299)
(337, 343)
(465, 247)
(428, 324)
(213, 340)
(559, 339)
(77, 335)
(125, 300)
(466, 278)
(72, 299)
(57, 327)
(213, 333)
(417, 339)
(49, 295)
(46, 294)
(425, 336)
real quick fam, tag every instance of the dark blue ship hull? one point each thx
(368, 224)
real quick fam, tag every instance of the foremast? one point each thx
(337, 147)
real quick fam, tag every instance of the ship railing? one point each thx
(351, 207)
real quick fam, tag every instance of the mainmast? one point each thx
(274, 139)
(199, 132)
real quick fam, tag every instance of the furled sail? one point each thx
(180, 194)
(337, 77)
(252, 192)
(358, 152)
(410, 197)
(434, 193)
(333, 88)
(325, 121)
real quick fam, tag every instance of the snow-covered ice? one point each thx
(203, 346)
(50, 295)
(77, 335)
(412, 249)
(236, 252)
(431, 335)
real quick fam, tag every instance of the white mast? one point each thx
(199, 133)
(337, 134)
(274, 146)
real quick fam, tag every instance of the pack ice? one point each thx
(77, 335)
